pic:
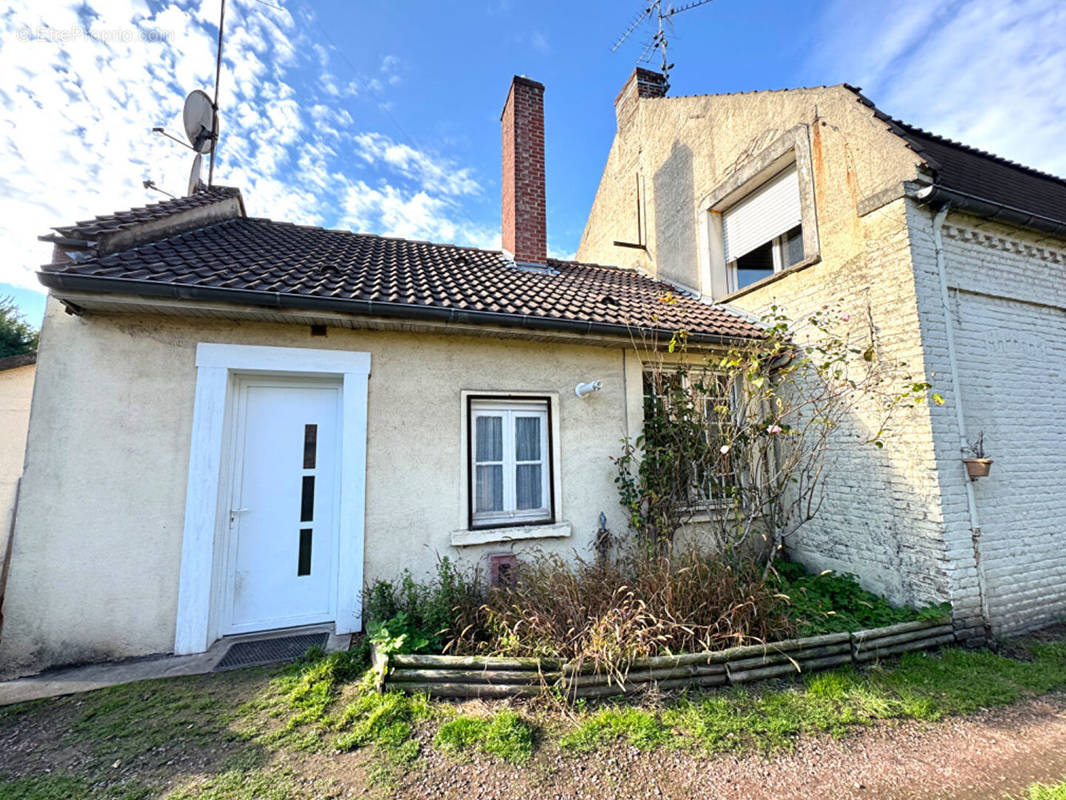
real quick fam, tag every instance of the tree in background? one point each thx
(17, 336)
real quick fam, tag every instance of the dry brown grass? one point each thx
(610, 612)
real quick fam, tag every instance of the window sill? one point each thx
(702, 514)
(809, 261)
(554, 530)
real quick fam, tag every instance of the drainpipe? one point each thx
(960, 421)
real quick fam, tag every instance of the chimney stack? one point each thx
(525, 233)
(642, 83)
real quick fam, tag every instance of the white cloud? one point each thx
(432, 174)
(88, 82)
(416, 215)
(985, 72)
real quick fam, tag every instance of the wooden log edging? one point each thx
(481, 676)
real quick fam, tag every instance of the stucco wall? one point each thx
(97, 544)
(683, 148)
(1007, 294)
(16, 391)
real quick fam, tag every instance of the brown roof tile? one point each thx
(260, 259)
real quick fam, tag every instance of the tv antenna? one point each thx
(200, 119)
(662, 15)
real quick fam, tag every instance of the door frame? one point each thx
(233, 474)
(206, 525)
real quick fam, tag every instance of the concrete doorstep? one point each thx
(72, 680)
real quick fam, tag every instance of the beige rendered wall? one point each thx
(882, 517)
(683, 148)
(16, 391)
(97, 546)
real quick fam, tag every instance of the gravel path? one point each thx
(985, 755)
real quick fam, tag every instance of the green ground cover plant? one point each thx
(504, 734)
(829, 602)
(921, 686)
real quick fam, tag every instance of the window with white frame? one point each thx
(510, 461)
(763, 233)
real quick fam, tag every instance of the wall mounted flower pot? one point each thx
(977, 467)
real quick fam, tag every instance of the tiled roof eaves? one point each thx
(908, 132)
(288, 300)
(91, 229)
(14, 362)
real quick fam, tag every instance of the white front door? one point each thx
(282, 553)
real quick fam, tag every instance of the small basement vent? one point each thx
(269, 651)
(502, 569)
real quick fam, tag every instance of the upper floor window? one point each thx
(763, 233)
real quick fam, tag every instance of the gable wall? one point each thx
(683, 148)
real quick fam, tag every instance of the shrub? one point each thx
(409, 616)
(830, 602)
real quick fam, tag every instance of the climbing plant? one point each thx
(741, 437)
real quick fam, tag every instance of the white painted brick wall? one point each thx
(1008, 303)
(882, 518)
(1007, 294)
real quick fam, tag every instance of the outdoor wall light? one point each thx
(583, 390)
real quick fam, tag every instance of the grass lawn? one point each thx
(318, 729)
(1041, 791)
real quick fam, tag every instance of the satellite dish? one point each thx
(194, 175)
(201, 123)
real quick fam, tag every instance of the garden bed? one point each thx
(487, 677)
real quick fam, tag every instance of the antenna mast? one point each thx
(664, 19)
(218, 75)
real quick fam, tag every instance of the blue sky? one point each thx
(384, 116)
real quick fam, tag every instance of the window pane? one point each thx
(527, 486)
(794, 247)
(310, 445)
(489, 488)
(303, 560)
(527, 438)
(307, 499)
(756, 265)
(489, 439)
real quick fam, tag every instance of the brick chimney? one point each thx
(642, 83)
(525, 234)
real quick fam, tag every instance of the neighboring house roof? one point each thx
(14, 362)
(983, 176)
(275, 264)
(988, 176)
